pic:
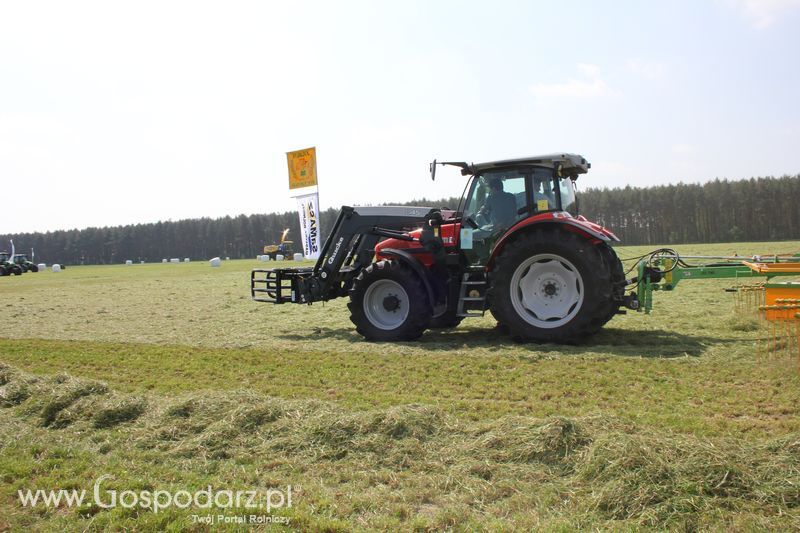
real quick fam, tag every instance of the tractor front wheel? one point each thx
(17, 270)
(551, 286)
(34, 268)
(388, 302)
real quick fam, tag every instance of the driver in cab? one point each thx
(500, 207)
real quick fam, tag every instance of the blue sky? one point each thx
(114, 113)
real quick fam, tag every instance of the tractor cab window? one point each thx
(495, 202)
(544, 192)
(568, 198)
(548, 189)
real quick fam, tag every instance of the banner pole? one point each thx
(303, 177)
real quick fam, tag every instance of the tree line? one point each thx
(758, 209)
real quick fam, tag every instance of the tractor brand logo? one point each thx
(311, 230)
(335, 250)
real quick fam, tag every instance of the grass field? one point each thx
(169, 377)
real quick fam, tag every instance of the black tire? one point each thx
(562, 259)
(617, 284)
(405, 326)
(17, 270)
(34, 268)
(4, 271)
(446, 321)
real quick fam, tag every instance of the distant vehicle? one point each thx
(7, 267)
(284, 248)
(23, 262)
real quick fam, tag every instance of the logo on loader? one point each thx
(332, 258)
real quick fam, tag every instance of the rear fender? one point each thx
(591, 232)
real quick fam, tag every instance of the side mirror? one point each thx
(432, 168)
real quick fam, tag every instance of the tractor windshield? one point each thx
(496, 199)
(3, 257)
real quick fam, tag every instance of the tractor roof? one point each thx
(570, 163)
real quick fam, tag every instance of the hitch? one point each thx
(631, 301)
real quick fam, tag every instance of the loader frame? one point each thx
(350, 246)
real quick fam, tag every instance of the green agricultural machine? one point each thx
(663, 269)
(7, 267)
(23, 262)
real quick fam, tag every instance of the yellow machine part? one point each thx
(767, 268)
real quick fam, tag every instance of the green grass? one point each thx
(666, 421)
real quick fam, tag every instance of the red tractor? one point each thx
(515, 246)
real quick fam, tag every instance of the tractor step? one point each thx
(466, 301)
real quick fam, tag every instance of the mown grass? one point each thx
(169, 376)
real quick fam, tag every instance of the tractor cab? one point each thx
(507, 193)
(4, 257)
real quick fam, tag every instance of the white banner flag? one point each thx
(307, 209)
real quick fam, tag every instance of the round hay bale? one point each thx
(298, 257)
(215, 262)
(174, 260)
(128, 262)
(279, 257)
(227, 258)
(56, 268)
(41, 266)
(163, 260)
(186, 260)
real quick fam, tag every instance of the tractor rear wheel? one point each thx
(617, 281)
(388, 302)
(34, 268)
(551, 286)
(17, 270)
(4, 271)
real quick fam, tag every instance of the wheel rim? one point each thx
(386, 304)
(547, 291)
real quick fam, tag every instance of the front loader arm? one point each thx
(350, 246)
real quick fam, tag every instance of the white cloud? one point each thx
(762, 13)
(590, 85)
(651, 70)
